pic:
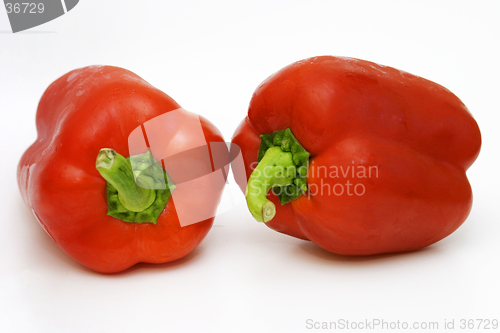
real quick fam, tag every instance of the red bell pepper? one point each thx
(106, 211)
(361, 158)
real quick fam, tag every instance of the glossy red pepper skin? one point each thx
(80, 113)
(350, 112)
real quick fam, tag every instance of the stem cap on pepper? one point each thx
(137, 189)
(283, 164)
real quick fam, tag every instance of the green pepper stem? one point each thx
(275, 169)
(118, 172)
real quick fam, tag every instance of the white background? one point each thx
(210, 56)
